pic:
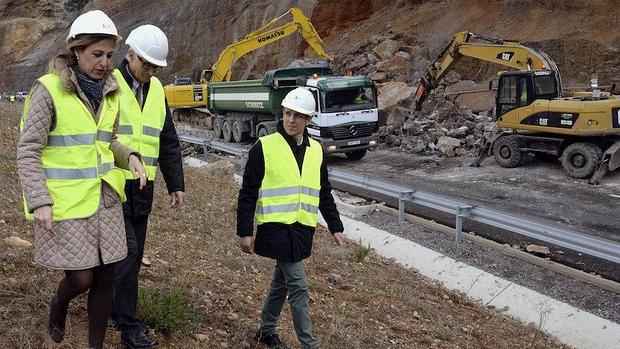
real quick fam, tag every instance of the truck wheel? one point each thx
(227, 130)
(507, 152)
(580, 159)
(356, 155)
(217, 127)
(263, 132)
(239, 133)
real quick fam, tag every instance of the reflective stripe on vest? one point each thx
(139, 129)
(77, 156)
(68, 140)
(285, 196)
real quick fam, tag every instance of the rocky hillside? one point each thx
(391, 41)
(576, 34)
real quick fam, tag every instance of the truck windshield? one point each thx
(348, 100)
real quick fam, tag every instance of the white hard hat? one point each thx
(92, 22)
(150, 43)
(300, 100)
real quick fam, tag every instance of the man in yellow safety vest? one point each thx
(145, 125)
(285, 184)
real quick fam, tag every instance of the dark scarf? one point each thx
(93, 89)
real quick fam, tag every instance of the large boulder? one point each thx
(462, 86)
(458, 132)
(386, 49)
(17, 242)
(399, 61)
(219, 168)
(359, 62)
(451, 77)
(378, 76)
(394, 93)
(395, 100)
(383, 66)
(447, 145)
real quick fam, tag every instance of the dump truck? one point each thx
(346, 119)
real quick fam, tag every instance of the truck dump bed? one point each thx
(258, 96)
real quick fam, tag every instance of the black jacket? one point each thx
(139, 202)
(285, 242)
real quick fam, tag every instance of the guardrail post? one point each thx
(244, 160)
(461, 211)
(402, 196)
(205, 145)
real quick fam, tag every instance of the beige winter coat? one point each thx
(75, 243)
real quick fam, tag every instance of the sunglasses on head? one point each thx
(147, 65)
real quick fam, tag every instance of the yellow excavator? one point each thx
(187, 95)
(582, 129)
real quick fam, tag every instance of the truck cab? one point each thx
(346, 119)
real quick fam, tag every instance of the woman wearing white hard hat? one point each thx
(68, 163)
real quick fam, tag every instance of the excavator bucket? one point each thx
(420, 95)
(609, 162)
(614, 156)
(482, 154)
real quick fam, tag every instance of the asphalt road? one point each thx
(539, 189)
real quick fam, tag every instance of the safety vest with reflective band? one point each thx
(140, 129)
(285, 195)
(77, 156)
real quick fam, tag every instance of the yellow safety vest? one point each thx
(77, 156)
(138, 128)
(285, 196)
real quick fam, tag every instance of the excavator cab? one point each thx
(205, 76)
(520, 88)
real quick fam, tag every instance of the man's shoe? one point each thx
(114, 325)
(57, 318)
(138, 341)
(272, 341)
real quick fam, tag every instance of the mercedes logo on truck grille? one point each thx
(353, 130)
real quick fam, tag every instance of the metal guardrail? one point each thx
(208, 143)
(571, 239)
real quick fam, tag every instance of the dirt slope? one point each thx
(377, 304)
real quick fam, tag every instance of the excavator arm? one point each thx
(222, 68)
(504, 52)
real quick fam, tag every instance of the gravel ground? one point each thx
(603, 303)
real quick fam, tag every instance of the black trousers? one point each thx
(126, 276)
